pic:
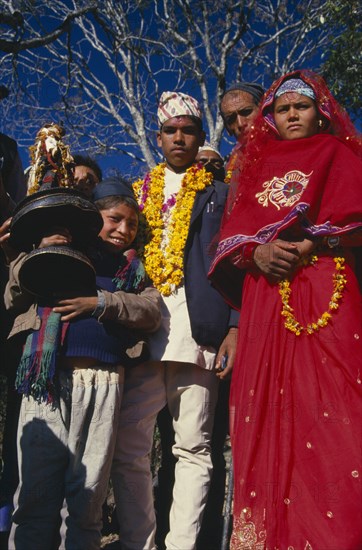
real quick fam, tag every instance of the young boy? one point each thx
(68, 422)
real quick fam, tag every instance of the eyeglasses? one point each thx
(218, 163)
(89, 181)
(244, 113)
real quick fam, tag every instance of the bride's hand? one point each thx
(277, 259)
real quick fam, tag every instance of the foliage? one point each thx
(99, 67)
(342, 68)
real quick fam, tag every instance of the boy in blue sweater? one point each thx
(69, 417)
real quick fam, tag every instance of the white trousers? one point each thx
(191, 395)
(65, 452)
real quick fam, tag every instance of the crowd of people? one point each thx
(226, 301)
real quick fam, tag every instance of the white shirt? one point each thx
(173, 341)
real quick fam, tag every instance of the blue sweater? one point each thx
(106, 341)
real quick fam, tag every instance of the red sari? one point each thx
(295, 400)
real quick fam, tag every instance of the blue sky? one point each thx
(48, 93)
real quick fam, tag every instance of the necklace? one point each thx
(164, 262)
(291, 323)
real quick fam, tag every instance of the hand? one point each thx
(5, 231)
(305, 247)
(227, 349)
(9, 251)
(71, 308)
(57, 236)
(277, 259)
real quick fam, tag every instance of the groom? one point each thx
(183, 206)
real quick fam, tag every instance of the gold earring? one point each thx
(320, 123)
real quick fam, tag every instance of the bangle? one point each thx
(101, 304)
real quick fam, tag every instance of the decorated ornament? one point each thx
(52, 163)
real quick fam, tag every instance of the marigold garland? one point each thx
(339, 283)
(164, 263)
(227, 178)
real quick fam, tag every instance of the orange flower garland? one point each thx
(164, 262)
(291, 323)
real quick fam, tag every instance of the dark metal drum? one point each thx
(55, 207)
(56, 271)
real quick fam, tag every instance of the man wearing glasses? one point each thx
(238, 107)
(212, 161)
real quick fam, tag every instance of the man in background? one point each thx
(87, 174)
(12, 180)
(238, 108)
(211, 159)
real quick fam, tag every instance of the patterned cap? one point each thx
(174, 104)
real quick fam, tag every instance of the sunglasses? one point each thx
(244, 113)
(88, 181)
(218, 163)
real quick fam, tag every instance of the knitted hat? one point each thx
(113, 186)
(173, 104)
(255, 90)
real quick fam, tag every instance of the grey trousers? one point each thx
(65, 453)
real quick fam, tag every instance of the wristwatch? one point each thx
(332, 241)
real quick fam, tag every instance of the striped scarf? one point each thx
(36, 370)
(131, 275)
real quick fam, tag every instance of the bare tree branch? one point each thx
(16, 21)
(103, 66)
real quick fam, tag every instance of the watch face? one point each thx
(333, 242)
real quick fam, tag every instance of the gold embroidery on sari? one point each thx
(284, 191)
(245, 535)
